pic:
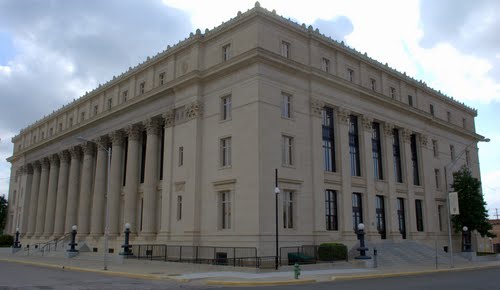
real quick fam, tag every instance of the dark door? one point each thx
(401, 217)
(380, 215)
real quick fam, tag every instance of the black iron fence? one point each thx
(234, 256)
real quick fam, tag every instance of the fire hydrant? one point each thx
(296, 271)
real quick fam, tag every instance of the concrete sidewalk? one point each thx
(224, 275)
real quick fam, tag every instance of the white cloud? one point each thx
(491, 189)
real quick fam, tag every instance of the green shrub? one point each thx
(332, 252)
(6, 240)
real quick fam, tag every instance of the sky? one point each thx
(53, 51)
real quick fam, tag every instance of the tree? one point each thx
(3, 212)
(472, 206)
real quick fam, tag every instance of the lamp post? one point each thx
(450, 166)
(16, 241)
(106, 223)
(276, 193)
(126, 246)
(73, 242)
(362, 249)
(466, 246)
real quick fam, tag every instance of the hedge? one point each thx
(6, 240)
(332, 252)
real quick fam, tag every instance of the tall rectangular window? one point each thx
(401, 217)
(179, 207)
(380, 215)
(225, 152)
(162, 148)
(124, 96)
(70, 121)
(410, 100)
(357, 210)
(110, 104)
(440, 217)
(452, 152)
(464, 123)
(437, 177)
(96, 109)
(143, 155)
(285, 49)
(162, 78)
(354, 146)
(328, 140)
(431, 109)
(414, 160)
(226, 49)
(448, 116)
(373, 84)
(181, 156)
(350, 75)
(286, 105)
(325, 64)
(142, 88)
(288, 209)
(393, 93)
(287, 150)
(377, 151)
(419, 215)
(82, 116)
(331, 210)
(396, 153)
(225, 208)
(226, 107)
(435, 148)
(467, 158)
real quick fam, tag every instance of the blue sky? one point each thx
(53, 51)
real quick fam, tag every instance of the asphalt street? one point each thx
(21, 276)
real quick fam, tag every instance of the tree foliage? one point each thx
(3, 212)
(473, 213)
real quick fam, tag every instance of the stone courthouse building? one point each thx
(197, 131)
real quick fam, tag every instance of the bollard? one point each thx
(375, 258)
(296, 271)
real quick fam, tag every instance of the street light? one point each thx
(106, 226)
(450, 165)
(362, 249)
(16, 242)
(465, 231)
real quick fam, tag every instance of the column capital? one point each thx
(29, 169)
(37, 165)
(103, 141)
(407, 135)
(133, 131)
(23, 169)
(388, 129)
(423, 139)
(367, 123)
(76, 152)
(116, 137)
(152, 126)
(45, 163)
(88, 148)
(64, 156)
(194, 110)
(169, 118)
(343, 115)
(316, 107)
(54, 160)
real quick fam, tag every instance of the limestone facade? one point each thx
(195, 134)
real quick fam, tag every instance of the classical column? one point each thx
(35, 186)
(86, 189)
(411, 225)
(42, 197)
(345, 218)
(367, 160)
(151, 178)
(132, 177)
(391, 211)
(430, 211)
(100, 188)
(51, 196)
(62, 193)
(73, 188)
(168, 163)
(317, 166)
(27, 179)
(113, 197)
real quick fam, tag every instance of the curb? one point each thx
(112, 273)
(414, 273)
(260, 283)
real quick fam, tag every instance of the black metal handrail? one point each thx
(46, 247)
